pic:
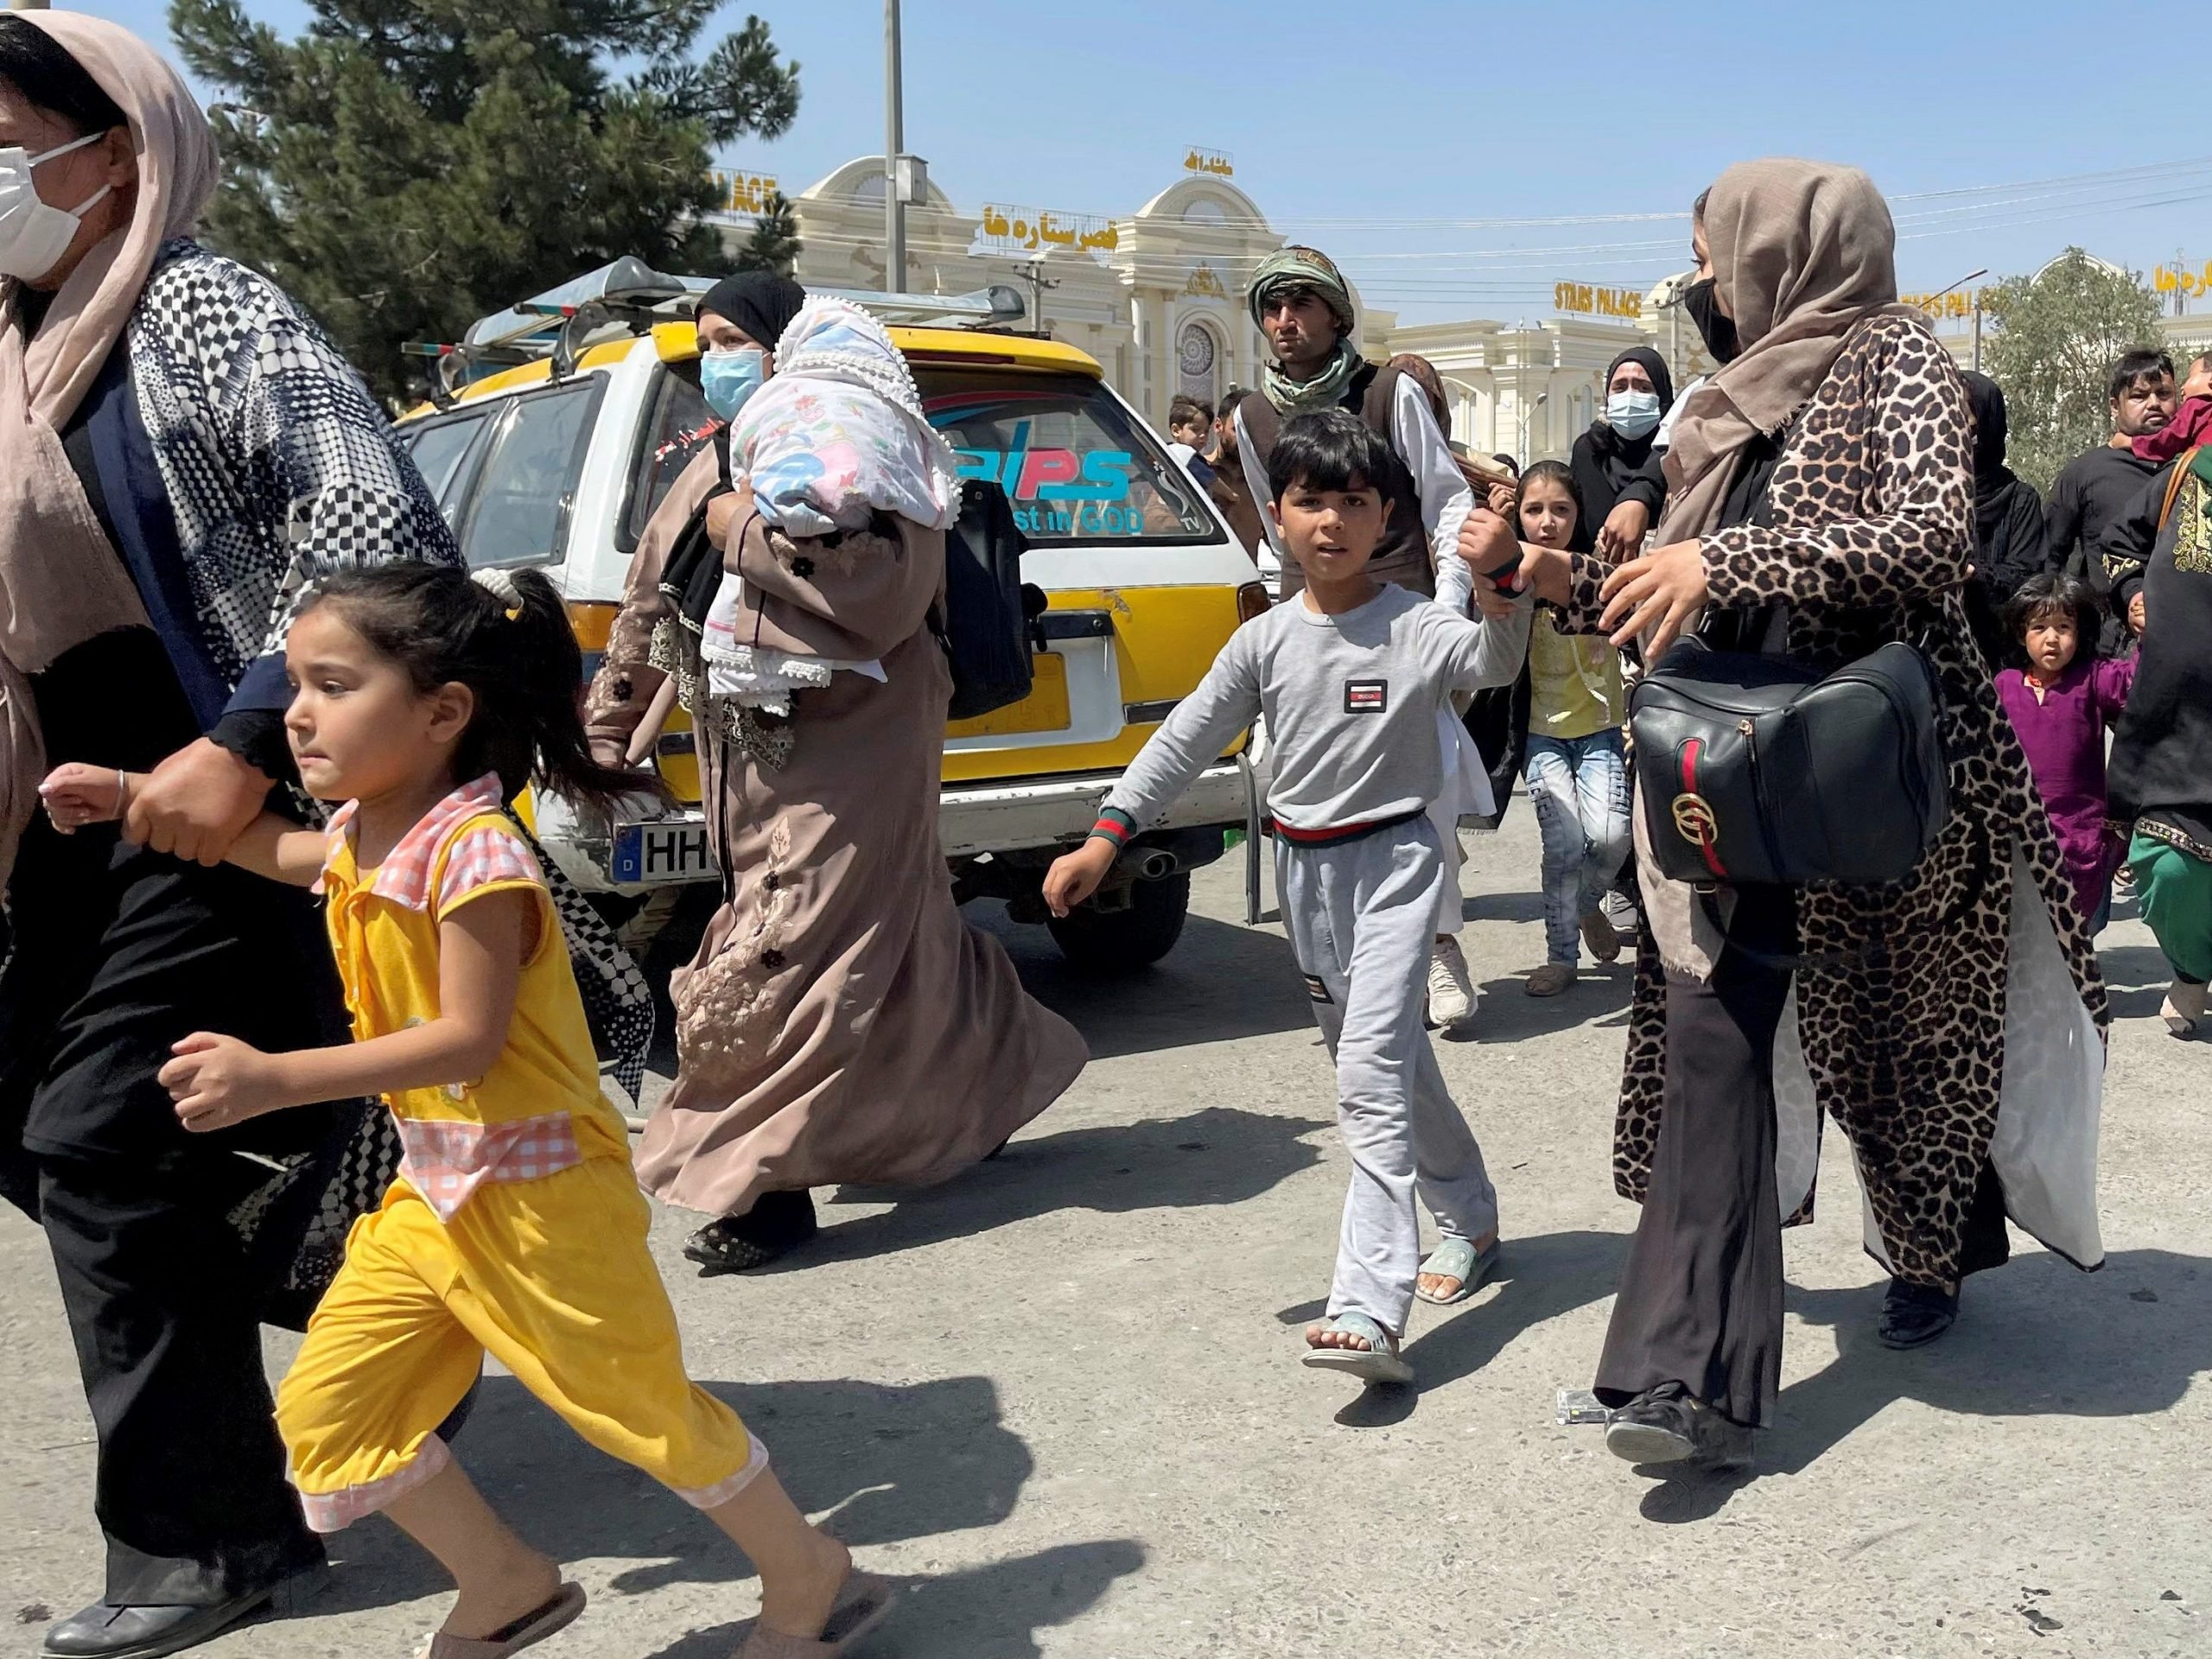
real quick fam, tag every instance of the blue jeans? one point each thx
(1579, 786)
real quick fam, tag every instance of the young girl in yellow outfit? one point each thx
(424, 700)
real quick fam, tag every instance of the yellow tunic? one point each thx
(516, 1227)
(1574, 681)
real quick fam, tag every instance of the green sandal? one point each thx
(1377, 1363)
(1457, 1258)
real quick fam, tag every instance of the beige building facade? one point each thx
(1157, 298)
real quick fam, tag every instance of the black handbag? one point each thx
(1752, 768)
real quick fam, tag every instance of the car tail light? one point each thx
(1252, 601)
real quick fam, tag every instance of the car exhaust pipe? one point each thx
(1153, 864)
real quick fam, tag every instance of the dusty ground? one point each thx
(1062, 1395)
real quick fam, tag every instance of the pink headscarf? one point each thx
(61, 583)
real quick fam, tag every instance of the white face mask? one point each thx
(35, 234)
(1632, 414)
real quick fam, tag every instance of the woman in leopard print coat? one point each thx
(1824, 476)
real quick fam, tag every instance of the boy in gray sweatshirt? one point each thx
(1349, 674)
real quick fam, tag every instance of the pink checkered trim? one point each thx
(335, 1511)
(404, 876)
(714, 1497)
(446, 1161)
(483, 857)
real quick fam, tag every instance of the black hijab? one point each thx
(1604, 461)
(759, 301)
(2009, 544)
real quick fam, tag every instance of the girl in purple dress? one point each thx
(2061, 705)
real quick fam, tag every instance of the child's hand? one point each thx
(219, 1081)
(2135, 614)
(76, 795)
(1075, 876)
(1486, 542)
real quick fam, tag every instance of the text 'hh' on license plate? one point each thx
(675, 850)
(1044, 710)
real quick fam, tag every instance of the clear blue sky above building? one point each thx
(1395, 134)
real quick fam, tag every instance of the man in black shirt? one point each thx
(2092, 490)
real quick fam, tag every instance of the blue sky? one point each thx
(1377, 130)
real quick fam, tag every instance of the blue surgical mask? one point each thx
(729, 378)
(1632, 414)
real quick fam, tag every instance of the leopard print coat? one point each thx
(1872, 531)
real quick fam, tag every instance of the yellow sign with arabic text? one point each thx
(1583, 300)
(2190, 283)
(1214, 164)
(1958, 302)
(1026, 230)
(744, 193)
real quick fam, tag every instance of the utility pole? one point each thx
(1038, 282)
(895, 144)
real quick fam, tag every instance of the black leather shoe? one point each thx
(1665, 1425)
(777, 1224)
(1913, 1314)
(104, 1632)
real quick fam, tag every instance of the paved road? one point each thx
(1062, 1394)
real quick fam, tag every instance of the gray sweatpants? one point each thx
(1362, 915)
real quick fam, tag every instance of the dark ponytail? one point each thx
(509, 642)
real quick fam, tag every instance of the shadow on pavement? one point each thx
(2135, 978)
(2035, 1338)
(887, 1462)
(1175, 1004)
(1540, 1279)
(1509, 1015)
(984, 1612)
(1218, 1156)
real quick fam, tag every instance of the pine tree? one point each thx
(774, 244)
(2057, 334)
(407, 166)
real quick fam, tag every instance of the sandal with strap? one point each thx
(1376, 1363)
(533, 1627)
(862, 1604)
(1458, 1258)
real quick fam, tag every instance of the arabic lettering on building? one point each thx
(1583, 300)
(1026, 230)
(744, 193)
(1215, 164)
(2190, 283)
(1958, 302)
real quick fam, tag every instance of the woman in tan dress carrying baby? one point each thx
(840, 1022)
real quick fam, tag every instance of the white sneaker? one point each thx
(1451, 993)
(2183, 1010)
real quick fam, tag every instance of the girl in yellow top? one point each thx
(423, 700)
(1578, 778)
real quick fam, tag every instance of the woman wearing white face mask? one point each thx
(1623, 494)
(183, 454)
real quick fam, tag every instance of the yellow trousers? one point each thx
(552, 1278)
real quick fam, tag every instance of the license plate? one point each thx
(645, 853)
(1044, 710)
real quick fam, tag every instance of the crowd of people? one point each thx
(276, 901)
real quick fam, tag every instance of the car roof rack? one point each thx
(629, 296)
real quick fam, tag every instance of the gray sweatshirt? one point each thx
(1352, 704)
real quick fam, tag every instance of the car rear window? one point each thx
(1075, 464)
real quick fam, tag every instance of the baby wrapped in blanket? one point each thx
(835, 436)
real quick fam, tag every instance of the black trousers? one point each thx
(117, 953)
(1700, 1295)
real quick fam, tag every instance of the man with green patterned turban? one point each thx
(1303, 306)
